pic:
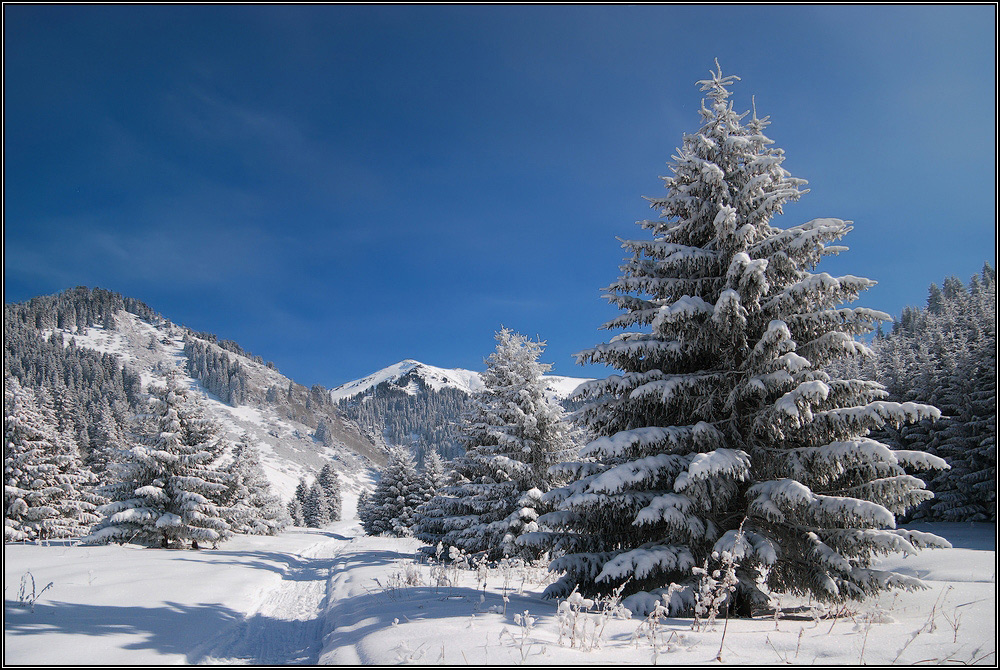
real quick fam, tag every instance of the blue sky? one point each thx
(340, 187)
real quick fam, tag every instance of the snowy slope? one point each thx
(435, 378)
(336, 596)
(288, 447)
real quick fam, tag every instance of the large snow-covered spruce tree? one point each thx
(167, 484)
(723, 432)
(512, 437)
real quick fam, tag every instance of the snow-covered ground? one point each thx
(335, 596)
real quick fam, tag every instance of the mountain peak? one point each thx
(435, 378)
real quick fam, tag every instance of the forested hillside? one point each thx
(90, 354)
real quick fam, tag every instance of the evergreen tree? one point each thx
(329, 483)
(389, 510)
(302, 490)
(435, 474)
(362, 509)
(316, 509)
(45, 484)
(107, 444)
(430, 516)
(514, 436)
(167, 483)
(252, 508)
(295, 512)
(723, 432)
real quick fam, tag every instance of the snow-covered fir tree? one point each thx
(316, 509)
(166, 484)
(329, 482)
(109, 440)
(362, 510)
(390, 508)
(297, 506)
(302, 490)
(513, 436)
(723, 432)
(295, 512)
(46, 492)
(434, 474)
(251, 507)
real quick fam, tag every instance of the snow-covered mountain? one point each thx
(420, 406)
(412, 377)
(405, 374)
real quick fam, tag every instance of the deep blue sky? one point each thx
(338, 188)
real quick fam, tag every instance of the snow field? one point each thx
(131, 605)
(335, 596)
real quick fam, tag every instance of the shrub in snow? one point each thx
(45, 485)
(167, 483)
(511, 439)
(723, 411)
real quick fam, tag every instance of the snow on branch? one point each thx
(732, 464)
(649, 469)
(747, 544)
(920, 460)
(640, 563)
(796, 403)
(775, 498)
(700, 434)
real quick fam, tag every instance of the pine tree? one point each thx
(429, 517)
(295, 512)
(302, 490)
(514, 436)
(435, 474)
(316, 509)
(723, 432)
(330, 485)
(362, 509)
(389, 509)
(167, 483)
(251, 506)
(108, 443)
(45, 484)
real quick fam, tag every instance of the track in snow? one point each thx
(287, 626)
